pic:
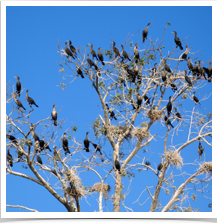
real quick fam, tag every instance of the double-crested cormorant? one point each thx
(190, 66)
(195, 70)
(166, 67)
(195, 99)
(199, 68)
(169, 106)
(124, 53)
(34, 135)
(139, 78)
(200, 149)
(18, 86)
(12, 138)
(115, 50)
(30, 100)
(111, 112)
(136, 53)
(97, 148)
(43, 145)
(100, 56)
(91, 63)
(164, 76)
(72, 48)
(168, 122)
(9, 158)
(145, 32)
(147, 100)
(174, 87)
(117, 164)
(139, 100)
(79, 71)
(68, 52)
(36, 146)
(209, 72)
(188, 80)
(54, 115)
(185, 54)
(86, 143)
(19, 104)
(178, 115)
(154, 69)
(177, 41)
(130, 74)
(39, 160)
(65, 144)
(92, 51)
(160, 166)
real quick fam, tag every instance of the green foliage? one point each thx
(184, 96)
(147, 163)
(108, 53)
(144, 124)
(28, 142)
(74, 129)
(69, 137)
(194, 197)
(168, 23)
(101, 84)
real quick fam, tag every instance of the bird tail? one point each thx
(55, 122)
(82, 75)
(115, 118)
(24, 108)
(36, 105)
(18, 94)
(103, 63)
(11, 164)
(143, 40)
(129, 59)
(172, 125)
(181, 48)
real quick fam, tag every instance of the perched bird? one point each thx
(173, 87)
(97, 148)
(72, 48)
(177, 41)
(188, 80)
(169, 106)
(92, 51)
(160, 166)
(18, 86)
(12, 138)
(139, 100)
(39, 160)
(91, 63)
(200, 149)
(209, 72)
(111, 112)
(30, 100)
(190, 66)
(168, 122)
(79, 71)
(117, 164)
(115, 50)
(185, 54)
(9, 158)
(43, 145)
(145, 33)
(136, 53)
(86, 143)
(164, 77)
(34, 135)
(130, 74)
(178, 115)
(124, 53)
(19, 104)
(100, 56)
(65, 144)
(147, 100)
(166, 67)
(54, 115)
(68, 52)
(154, 70)
(195, 99)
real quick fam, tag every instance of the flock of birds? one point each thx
(132, 75)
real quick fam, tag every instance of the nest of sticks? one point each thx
(154, 115)
(140, 133)
(98, 187)
(174, 158)
(206, 167)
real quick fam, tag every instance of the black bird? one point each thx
(178, 115)
(177, 41)
(145, 33)
(91, 63)
(154, 69)
(124, 53)
(111, 112)
(86, 143)
(65, 144)
(188, 80)
(30, 100)
(79, 71)
(185, 54)
(169, 106)
(147, 100)
(139, 100)
(9, 158)
(72, 48)
(92, 51)
(115, 50)
(195, 99)
(117, 164)
(68, 52)
(164, 76)
(136, 53)
(200, 149)
(20, 155)
(19, 104)
(100, 56)
(43, 145)
(34, 135)
(18, 86)
(166, 67)
(168, 122)
(97, 148)
(209, 72)
(174, 87)
(160, 166)
(54, 115)
(39, 160)
(195, 70)
(130, 74)
(190, 66)
(12, 138)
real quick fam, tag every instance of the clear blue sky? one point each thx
(31, 38)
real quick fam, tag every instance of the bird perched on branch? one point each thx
(124, 53)
(185, 54)
(115, 50)
(39, 160)
(65, 144)
(168, 122)
(145, 33)
(117, 164)
(100, 56)
(30, 100)
(169, 106)
(18, 86)
(166, 67)
(72, 48)
(19, 104)
(97, 148)
(12, 138)
(200, 149)
(139, 100)
(178, 41)
(160, 166)
(91, 63)
(54, 115)
(195, 99)
(68, 52)
(92, 51)
(188, 80)
(79, 71)
(86, 143)
(136, 53)
(111, 112)
(178, 115)
(10, 158)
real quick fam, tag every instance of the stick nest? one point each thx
(154, 115)
(174, 159)
(140, 133)
(98, 187)
(76, 191)
(206, 167)
(116, 131)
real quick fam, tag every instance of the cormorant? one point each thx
(39, 160)
(68, 52)
(12, 138)
(86, 143)
(145, 32)
(160, 166)
(178, 115)
(188, 80)
(97, 148)
(72, 48)
(200, 149)
(164, 76)
(115, 50)
(34, 135)
(190, 66)
(91, 63)
(30, 100)
(177, 41)
(147, 100)
(18, 86)
(185, 54)
(136, 53)
(43, 145)
(168, 122)
(139, 100)
(209, 72)
(111, 113)
(79, 71)
(117, 164)
(9, 158)
(166, 67)
(124, 53)
(195, 99)
(131, 75)
(56, 155)
(19, 104)
(92, 51)
(65, 144)
(100, 56)
(174, 87)
(54, 115)
(169, 106)
(154, 69)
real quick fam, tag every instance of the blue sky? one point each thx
(31, 43)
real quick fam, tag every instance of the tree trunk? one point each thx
(100, 201)
(118, 190)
